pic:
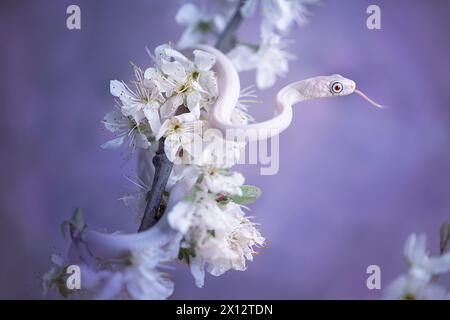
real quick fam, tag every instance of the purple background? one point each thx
(354, 181)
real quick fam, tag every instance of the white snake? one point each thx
(312, 88)
(119, 245)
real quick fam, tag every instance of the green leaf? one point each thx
(185, 254)
(77, 219)
(62, 288)
(249, 195)
(75, 223)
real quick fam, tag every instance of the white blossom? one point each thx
(126, 130)
(144, 103)
(420, 261)
(139, 279)
(217, 151)
(279, 13)
(192, 84)
(200, 26)
(410, 287)
(179, 132)
(270, 59)
(217, 236)
(223, 181)
(418, 282)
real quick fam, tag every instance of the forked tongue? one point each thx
(369, 100)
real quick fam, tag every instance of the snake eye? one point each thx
(336, 87)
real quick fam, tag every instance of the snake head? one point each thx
(334, 86)
(328, 86)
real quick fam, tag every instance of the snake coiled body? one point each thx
(229, 86)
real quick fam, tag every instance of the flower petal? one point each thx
(174, 70)
(171, 105)
(152, 115)
(171, 146)
(198, 272)
(114, 143)
(193, 103)
(180, 216)
(118, 89)
(204, 60)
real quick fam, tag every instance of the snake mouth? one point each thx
(365, 97)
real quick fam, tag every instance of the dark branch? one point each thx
(163, 167)
(226, 40)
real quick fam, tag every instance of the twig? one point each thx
(225, 42)
(163, 167)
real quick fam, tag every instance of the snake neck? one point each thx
(307, 89)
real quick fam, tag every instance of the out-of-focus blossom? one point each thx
(279, 13)
(268, 56)
(200, 26)
(410, 287)
(418, 282)
(270, 59)
(136, 275)
(139, 278)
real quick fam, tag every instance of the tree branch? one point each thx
(163, 166)
(226, 40)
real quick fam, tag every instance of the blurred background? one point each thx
(354, 181)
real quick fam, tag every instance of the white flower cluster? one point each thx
(206, 224)
(147, 113)
(216, 233)
(419, 283)
(269, 56)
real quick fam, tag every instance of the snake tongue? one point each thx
(369, 100)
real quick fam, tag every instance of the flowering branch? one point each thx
(166, 108)
(163, 166)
